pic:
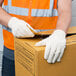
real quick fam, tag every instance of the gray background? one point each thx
(72, 24)
(1, 49)
(73, 13)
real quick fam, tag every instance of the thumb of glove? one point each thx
(41, 43)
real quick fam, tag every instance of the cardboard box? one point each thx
(29, 59)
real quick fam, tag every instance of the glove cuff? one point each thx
(12, 22)
(59, 33)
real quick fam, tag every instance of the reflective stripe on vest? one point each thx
(35, 12)
(6, 28)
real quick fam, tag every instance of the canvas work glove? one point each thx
(19, 28)
(55, 45)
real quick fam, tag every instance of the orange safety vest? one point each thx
(41, 15)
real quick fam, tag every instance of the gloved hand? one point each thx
(19, 28)
(55, 45)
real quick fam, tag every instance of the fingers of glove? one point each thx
(47, 51)
(41, 43)
(57, 53)
(61, 54)
(14, 32)
(51, 54)
(22, 33)
(18, 32)
(26, 29)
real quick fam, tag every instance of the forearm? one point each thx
(64, 14)
(64, 21)
(4, 17)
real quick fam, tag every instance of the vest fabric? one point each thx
(41, 15)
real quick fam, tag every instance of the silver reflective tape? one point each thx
(35, 12)
(6, 28)
(44, 13)
(55, 12)
(16, 10)
(39, 12)
(5, 8)
(51, 6)
(42, 30)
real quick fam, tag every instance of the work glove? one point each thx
(55, 45)
(20, 28)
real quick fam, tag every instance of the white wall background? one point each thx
(1, 49)
(72, 24)
(73, 13)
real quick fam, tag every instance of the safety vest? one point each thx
(40, 14)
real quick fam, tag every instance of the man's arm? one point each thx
(4, 16)
(64, 12)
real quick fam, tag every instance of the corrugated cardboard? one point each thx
(29, 59)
